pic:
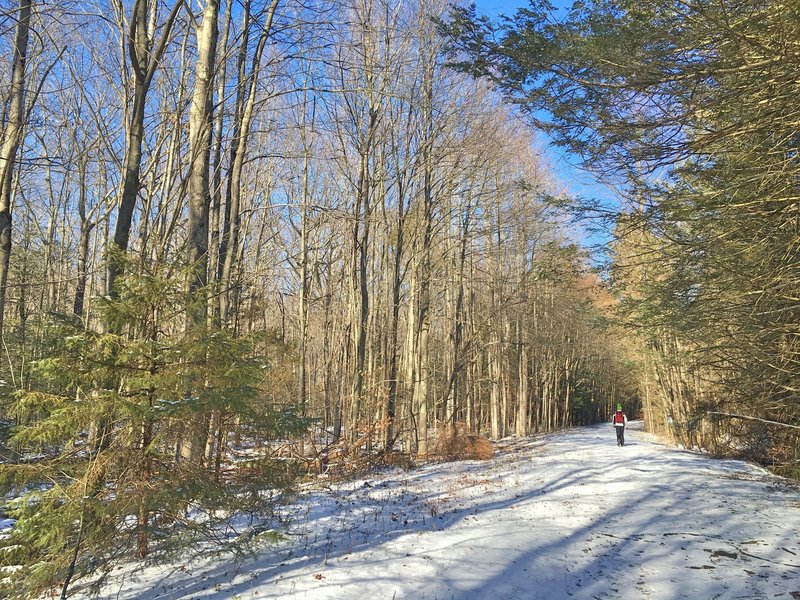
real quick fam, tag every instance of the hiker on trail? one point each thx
(619, 421)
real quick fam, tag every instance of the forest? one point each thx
(686, 108)
(242, 242)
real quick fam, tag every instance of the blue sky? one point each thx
(496, 7)
(573, 180)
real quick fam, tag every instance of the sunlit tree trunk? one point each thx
(522, 384)
(245, 102)
(200, 128)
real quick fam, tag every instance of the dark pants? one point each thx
(620, 435)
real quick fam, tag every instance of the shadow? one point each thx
(587, 521)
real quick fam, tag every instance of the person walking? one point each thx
(620, 421)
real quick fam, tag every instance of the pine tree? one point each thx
(87, 498)
(690, 108)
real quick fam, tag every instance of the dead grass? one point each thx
(459, 444)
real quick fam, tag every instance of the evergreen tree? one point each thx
(690, 108)
(88, 496)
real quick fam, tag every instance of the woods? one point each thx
(687, 109)
(253, 240)
(244, 243)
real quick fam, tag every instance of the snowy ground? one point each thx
(568, 515)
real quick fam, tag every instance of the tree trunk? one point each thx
(201, 116)
(394, 321)
(420, 400)
(144, 60)
(245, 101)
(522, 385)
(11, 139)
(215, 216)
(360, 303)
(86, 227)
(495, 397)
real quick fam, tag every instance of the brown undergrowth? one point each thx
(456, 443)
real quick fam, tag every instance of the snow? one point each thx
(566, 515)
(5, 530)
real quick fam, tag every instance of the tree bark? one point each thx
(144, 60)
(522, 384)
(246, 95)
(201, 116)
(11, 140)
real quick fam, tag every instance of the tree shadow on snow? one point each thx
(619, 553)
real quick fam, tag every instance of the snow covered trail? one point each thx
(567, 515)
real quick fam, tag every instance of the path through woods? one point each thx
(567, 515)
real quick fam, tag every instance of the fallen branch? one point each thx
(774, 562)
(752, 419)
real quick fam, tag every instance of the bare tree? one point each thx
(144, 54)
